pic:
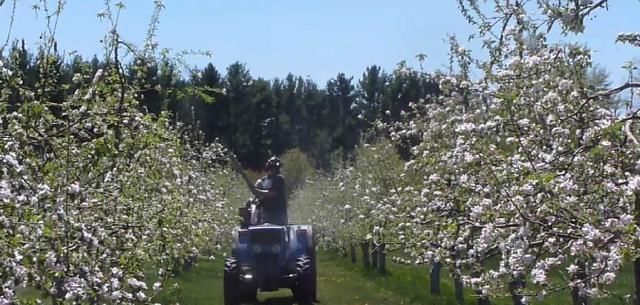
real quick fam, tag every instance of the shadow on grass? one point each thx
(280, 297)
(278, 301)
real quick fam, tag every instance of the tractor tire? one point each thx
(314, 276)
(303, 290)
(249, 294)
(231, 282)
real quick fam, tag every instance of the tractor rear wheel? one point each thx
(231, 281)
(250, 294)
(303, 290)
(314, 271)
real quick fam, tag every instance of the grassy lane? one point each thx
(341, 283)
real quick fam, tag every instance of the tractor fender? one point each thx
(300, 240)
(241, 245)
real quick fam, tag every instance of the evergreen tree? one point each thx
(262, 104)
(341, 96)
(144, 74)
(239, 111)
(371, 90)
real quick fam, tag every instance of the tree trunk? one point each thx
(636, 263)
(382, 259)
(577, 297)
(352, 249)
(366, 262)
(177, 264)
(457, 281)
(515, 287)
(636, 273)
(436, 267)
(459, 289)
(484, 300)
(189, 262)
(374, 256)
(58, 283)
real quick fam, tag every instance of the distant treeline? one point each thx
(256, 117)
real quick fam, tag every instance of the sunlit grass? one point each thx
(343, 283)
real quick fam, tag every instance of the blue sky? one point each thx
(317, 38)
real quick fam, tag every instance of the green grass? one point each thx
(408, 283)
(342, 283)
(339, 283)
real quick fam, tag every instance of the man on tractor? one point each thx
(270, 189)
(269, 253)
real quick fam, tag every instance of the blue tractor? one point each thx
(269, 257)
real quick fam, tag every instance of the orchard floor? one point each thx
(339, 283)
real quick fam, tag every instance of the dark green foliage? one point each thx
(255, 117)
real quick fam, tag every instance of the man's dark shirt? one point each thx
(277, 204)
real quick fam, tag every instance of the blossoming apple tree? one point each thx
(101, 202)
(529, 181)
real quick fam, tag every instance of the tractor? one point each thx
(269, 257)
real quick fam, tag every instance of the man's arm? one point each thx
(259, 192)
(265, 193)
(276, 188)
